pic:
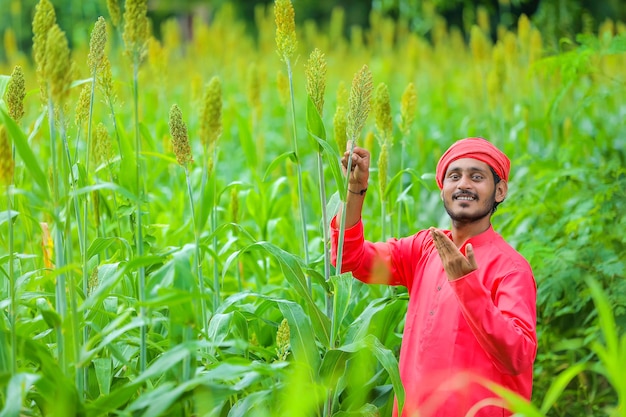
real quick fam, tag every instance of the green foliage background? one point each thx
(554, 105)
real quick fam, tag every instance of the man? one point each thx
(471, 315)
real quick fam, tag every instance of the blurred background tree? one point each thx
(556, 18)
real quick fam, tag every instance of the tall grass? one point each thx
(141, 326)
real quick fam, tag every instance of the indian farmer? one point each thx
(471, 314)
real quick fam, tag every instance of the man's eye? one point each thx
(477, 177)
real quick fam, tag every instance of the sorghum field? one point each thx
(165, 201)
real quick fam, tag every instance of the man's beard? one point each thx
(467, 218)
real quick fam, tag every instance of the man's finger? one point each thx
(469, 250)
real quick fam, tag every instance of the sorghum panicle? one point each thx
(16, 91)
(359, 102)
(211, 116)
(282, 83)
(234, 205)
(135, 28)
(82, 107)
(382, 112)
(105, 80)
(253, 84)
(6, 158)
(58, 66)
(316, 79)
(283, 340)
(101, 145)
(408, 108)
(96, 44)
(383, 162)
(286, 40)
(43, 20)
(114, 11)
(180, 139)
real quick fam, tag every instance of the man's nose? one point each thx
(464, 182)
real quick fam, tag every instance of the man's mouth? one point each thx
(465, 197)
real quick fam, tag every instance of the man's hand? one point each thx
(454, 262)
(359, 169)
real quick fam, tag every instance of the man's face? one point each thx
(469, 190)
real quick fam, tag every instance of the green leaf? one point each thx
(4, 82)
(559, 384)
(295, 277)
(342, 294)
(247, 143)
(277, 161)
(314, 123)
(103, 368)
(19, 386)
(26, 153)
(384, 356)
(301, 338)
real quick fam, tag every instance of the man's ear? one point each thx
(501, 189)
(441, 195)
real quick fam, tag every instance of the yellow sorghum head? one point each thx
(95, 197)
(234, 205)
(340, 119)
(253, 84)
(535, 49)
(510, 48)
(105, 80)
(408, 108)
(96, 44)
(382, 111)
(82, 108)
(43, 20)
(482, 18)
(340, 125)
(135, 28)
(211, 116)
(10, 43)
(114, 11)
(282, 83)
(283, 343)
(286, 40)
(93, 280)
(316, 79)
(479, 44)
(383, 164)
(101, 145)
(58, 66)
(370, 141)
(16, 91)
(6, 158)
(359, 102)
(180, 139)
(523, 31)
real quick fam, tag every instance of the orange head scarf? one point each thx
(475, 148)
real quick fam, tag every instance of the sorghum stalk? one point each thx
(408, 109)
(97, 44)
(384, 125)
(182, 150)
(315, 87)
(359, 107)
(135, 36)
(7, 167)
(15, 103)
(210, 132)
(56, 76)
(287, 43)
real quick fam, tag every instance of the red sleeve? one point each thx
(504, 324)
(374, 263)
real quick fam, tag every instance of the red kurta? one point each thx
(481, 325)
